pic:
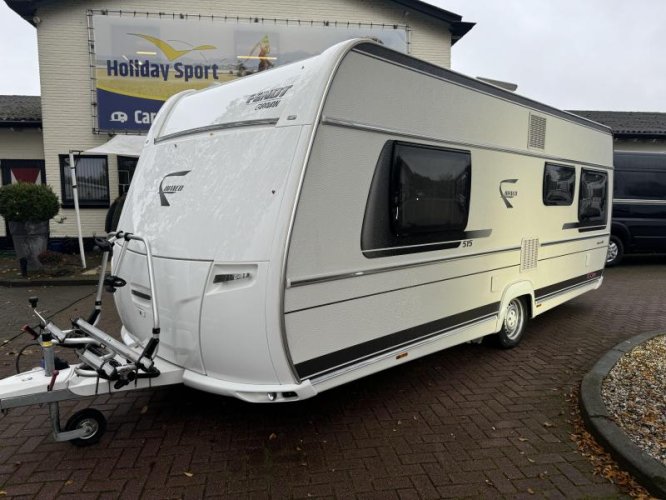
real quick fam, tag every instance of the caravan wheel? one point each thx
(90, 419)
(514, 324)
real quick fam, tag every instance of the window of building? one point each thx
(593, 198)
(418, 202)
(92, 178)
(126, 167)
(559, 182)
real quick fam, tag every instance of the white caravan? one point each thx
(300, 228)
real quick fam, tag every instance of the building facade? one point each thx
(97, 54)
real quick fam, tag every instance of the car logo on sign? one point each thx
(119, 116)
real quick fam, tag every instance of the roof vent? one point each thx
(537, 132)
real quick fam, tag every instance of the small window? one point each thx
(592, 201)
(559, 182)
(92, 178)
(126, 168)
(430, 190)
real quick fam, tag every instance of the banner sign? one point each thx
(140, 61)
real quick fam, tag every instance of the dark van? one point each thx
(639, 205)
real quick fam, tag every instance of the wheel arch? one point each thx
(516, 290)
(621, 231)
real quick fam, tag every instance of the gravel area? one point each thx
(635, 395)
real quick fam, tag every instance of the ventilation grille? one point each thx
(529, 254)
(537, 133)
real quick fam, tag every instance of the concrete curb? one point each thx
(649, 472)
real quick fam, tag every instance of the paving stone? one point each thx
(465, 422)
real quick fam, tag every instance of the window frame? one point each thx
(544, 197)
(66, 202)
(121, 160)
(602, 220)
(378, 235)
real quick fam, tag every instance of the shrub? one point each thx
(24, 201)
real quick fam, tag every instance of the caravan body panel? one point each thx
(345, 304)
(283, 269)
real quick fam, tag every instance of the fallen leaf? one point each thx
(188, 474)
(3, 493)
(530, 491)
(530, 460)
(68, 482)
(521, 439)
(144, 410)
(548, 424)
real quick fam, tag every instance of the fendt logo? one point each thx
(170, 188)
(505, 193)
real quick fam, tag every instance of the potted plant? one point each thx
(27, 208)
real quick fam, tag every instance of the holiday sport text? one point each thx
(146, 69)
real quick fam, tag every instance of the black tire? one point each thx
(615, 251)
(513, 326)
(88, 417)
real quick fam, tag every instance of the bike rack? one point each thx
(102, 358)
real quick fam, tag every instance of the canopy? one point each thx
(124, 145)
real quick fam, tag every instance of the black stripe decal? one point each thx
(582, 227)
(563, 285)
(354, 354)
(425, 283)
(561, 242)
(427, 247)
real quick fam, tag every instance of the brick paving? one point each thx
(471, 421)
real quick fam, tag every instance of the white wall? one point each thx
(21, 144)
(65, 65)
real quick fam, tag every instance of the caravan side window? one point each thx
(429, 190)
(559, 182)
(419, 200)
(593, 198)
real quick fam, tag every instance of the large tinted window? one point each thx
(418, 201)
(559, 182)
(593, 199)
(430, 190)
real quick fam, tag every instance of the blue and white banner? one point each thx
(141, 60)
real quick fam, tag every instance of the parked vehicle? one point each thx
(318, 222)
(639, 205)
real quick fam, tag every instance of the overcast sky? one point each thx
(573, 54)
